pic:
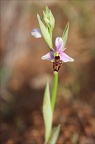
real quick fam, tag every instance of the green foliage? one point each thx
(44, 31)
(47, 113)
(54, 135)
(65, 34)
(51, 135)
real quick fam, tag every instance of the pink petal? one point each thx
(36, 33)
(65, 58)
(59, 44)
(49, 56)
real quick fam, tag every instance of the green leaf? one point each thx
(65, 34)
(44, 31)
(47, 113)
(54, 135)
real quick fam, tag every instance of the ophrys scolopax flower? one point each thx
(57, 55)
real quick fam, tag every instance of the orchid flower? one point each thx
(58, 52)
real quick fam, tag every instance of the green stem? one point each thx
(54, 91)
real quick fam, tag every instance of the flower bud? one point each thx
(49, 18)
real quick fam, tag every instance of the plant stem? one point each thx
(54, 91)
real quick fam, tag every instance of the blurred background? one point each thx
(23, 74)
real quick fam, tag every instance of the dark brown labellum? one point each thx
(57, 63)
